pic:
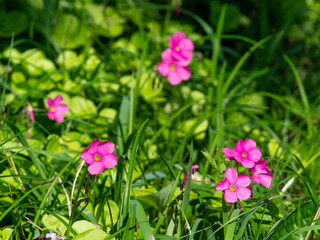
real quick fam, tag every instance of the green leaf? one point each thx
(106, 214)
(68, 32)
(82, 226)
(6, 233)
(142, 220)
(82, 107)
(96, 234)
(12, 22)
(54, 223)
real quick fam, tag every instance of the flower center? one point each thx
(97, 157)
(51, 108)
(177, 48)
(172, 67)
(233, 188)
(244, 154)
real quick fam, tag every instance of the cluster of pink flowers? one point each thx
(176, 58)
(249, 156)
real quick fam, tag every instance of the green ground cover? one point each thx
(75, 71)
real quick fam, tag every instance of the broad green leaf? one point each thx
(53, 223)
(82, 107)
(13, 22)
(105, 215)
(6, 233)
(96, 234)
(82, 226)
(68, 32)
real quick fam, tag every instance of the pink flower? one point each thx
(194, 168)
(234, 186)
(99, 155)
(245, 153)
(176, 71)
(261, 174)
(181, 47)
(56, 108)
(30, 112)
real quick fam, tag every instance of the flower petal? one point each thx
(174, 78)
(248, 163)
(105, 147)
(223, 185)
(166, 55)
(255, 178)
(176, 38)
(243, 181)
(96, 167)
(255, 154)
(184, 73)
(265, 180)
(62, 108)
(249, 145)
(230, 197)
(93, 146)
(185, 179)
(231, 174)
(87, 157)
(58, 99)
(51, 115)
(194, 168)
(58, 116)
(163, 68)
(239, 146)
(228, 152)
(243, 193)
(186, 44)
(110, 160)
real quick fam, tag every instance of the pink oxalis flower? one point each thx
(99, 156)
(56, 108)
(261, 174)
(175, 70)
(245, 153)
(30, 112)
(181, 47)
(194, 168)
(234, 186)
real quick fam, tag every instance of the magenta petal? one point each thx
(166, 55)
(265, 180)
(58, 99)
(87, 157)
(243, 193)
(110, 160)
(51, 115)
(186, 44)
(223, 185)
(249, 145)
(248, 163)
(185, 179)
(62, 108)
(174, 78)
(239, 146)
(256, 178)
(243, 181)
(49, 102)
(230, 197)
(184, 73)
(194, 168)
(96, 167)
(255, 154)
(187, 55)
(59, 117)
(163, 68)
(237, 156)
(105, 147)
(231, 174)
(93, 146)
(176, 38)
(228, 152)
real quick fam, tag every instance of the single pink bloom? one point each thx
(99, 155)
(194, 168)
(261, 174)
(30, 112)
(246, 153)
(181, 47)
(234, 186)
(173, 69)
(56, 108)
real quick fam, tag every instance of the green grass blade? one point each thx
(303, 94)
(142, 220)
(231, 227)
